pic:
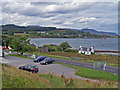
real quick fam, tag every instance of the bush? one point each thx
(70, 50)
(52, 48)
(65, 45)
(60, 48)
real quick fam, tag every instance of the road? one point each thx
(111, 69)
(56, 69)
(87, 65)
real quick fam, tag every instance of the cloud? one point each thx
(59, 1)
(78, 15)
(89, 19)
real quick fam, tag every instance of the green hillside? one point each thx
(46, 32)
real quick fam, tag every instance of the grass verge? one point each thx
(16, 55)
(94, 74)
(15, 78)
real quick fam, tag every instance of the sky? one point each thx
(75, 14)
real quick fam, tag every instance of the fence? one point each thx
(100, 65)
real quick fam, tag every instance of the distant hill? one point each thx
(36, 30)
(92, 31)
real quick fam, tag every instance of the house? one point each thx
(87, 51)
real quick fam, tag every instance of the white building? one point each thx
(87, 51)
(0, 51)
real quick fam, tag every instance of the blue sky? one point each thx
(102, 16)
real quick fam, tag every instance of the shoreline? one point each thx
(66, 38)
(107, 51)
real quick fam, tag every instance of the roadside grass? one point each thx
(94, 74)
(48, 55)
(115, 65)
(15, 78)
(16, 55)
(89, 61)
(83, 59)
(113, 59)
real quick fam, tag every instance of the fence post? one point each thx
(104, 66)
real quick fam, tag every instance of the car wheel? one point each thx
(20, 68)
(33, 71)
(46, 63)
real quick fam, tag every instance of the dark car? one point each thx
(47, 61)
(30, 68)
(40, 58)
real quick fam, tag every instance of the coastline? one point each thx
(68, 38)
(96, 50)
(107, 51)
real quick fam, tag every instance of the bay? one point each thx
(109, 44)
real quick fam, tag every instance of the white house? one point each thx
(87, 51)
(0, 51)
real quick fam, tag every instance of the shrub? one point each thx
(70, 50)
(52, 48)
(60, 48)
(65, 45)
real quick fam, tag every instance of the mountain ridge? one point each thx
(92, 31)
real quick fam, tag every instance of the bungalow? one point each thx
(87, 51)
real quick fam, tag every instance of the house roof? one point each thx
(85, 49)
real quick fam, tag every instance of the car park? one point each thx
(47, 61)
(40, 58)
(30, 68)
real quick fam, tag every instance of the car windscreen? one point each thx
(42, 57)
(50, 59)
(35, 67)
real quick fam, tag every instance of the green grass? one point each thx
(89, 61)
(15, 78)
(16, 55)
(94, 74)
(115, 65)
(55, 81)
(54, 56)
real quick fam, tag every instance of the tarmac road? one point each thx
(87, 65)
(111, 69)
(56, 69)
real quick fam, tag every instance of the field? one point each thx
(14, 78)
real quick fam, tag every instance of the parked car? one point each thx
(47, 61)
(40, 58)
(30, 68)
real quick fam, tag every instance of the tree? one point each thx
(6, 40)
(65, 45)
(21, 44)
